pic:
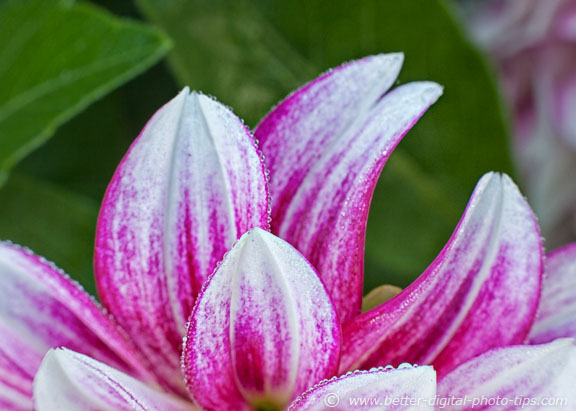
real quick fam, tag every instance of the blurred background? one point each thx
(78, 81)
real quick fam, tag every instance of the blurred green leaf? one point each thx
(52, 222)
(55, 59)
(108, 127)
(250, 53)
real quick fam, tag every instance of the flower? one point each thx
(279, 318)
(533, 45)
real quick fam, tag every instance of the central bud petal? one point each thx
(263, 330)
(264, 323)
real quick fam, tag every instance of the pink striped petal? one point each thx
(407, 388)
(556, 315)
(262, 331)
(67, 380)
(326, 145)
(189, 186)
(41, 308)
(481, 292)
(540, 377)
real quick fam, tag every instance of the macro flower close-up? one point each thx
(301, 262)
(231, 271)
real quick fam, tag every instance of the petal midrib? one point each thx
(172, 181)
(445, 339)
(479, 279)
(291, 315)
(200, 212)
(364, 111)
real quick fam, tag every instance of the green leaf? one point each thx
(231, 50)
(250, 53)
(56, 58)
(52, 222)
(108, 127)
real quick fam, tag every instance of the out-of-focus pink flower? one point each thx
(533, 45)
(214, 306)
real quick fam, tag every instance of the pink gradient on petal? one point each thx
(326, 145)
(532, 372)
(41, 308)
(409, 383)
(189, 186)
(263, 329)
(68, 380)
(482, 291)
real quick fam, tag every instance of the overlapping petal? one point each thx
(41, 308)
(482, 291)
(407, 388)
(263, 330)
(532, 45)
(325, 146)
(539, 377)
(556, 315)
(68, 381)
(190, 185)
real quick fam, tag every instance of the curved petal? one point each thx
(41, 308)
(481, 292)
(406, 388)
(326, 145)
(70, 381)
(556, 315)
(189, 186)
(531, 377)
(263, 329)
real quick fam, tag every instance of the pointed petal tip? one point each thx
(389, 58)
(311, 132)
(258, 236)
(498, 180)
(430, 91)
(259, 233)
(60, 355)
(194, 158)
(499, 229)
(266, 294)
(254, 234)
(381, 60)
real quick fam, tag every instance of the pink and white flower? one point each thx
(224, 290)
(533, 45)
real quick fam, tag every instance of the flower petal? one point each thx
(326, 145)
(41, 308)
(556, 315)
(521, 376)
(382, 389)
(481, 292)
(263, 329)
(67, 380)
(189, 186)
